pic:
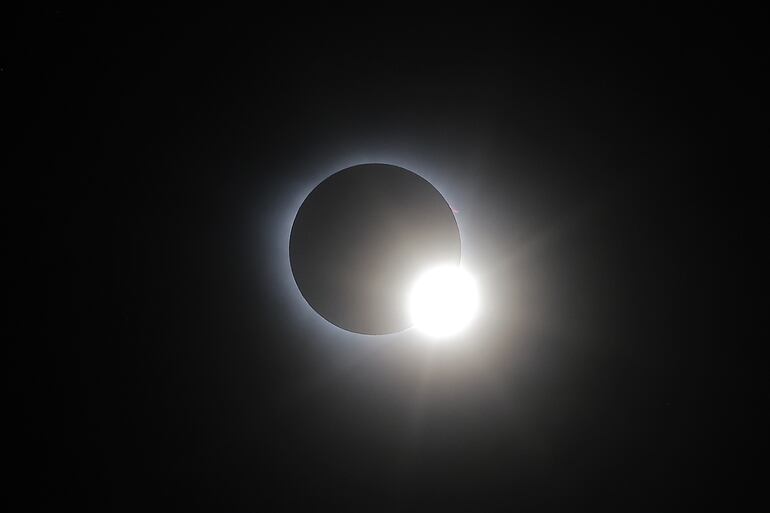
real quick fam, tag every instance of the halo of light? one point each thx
(443, 301)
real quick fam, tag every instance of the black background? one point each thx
(154, 368)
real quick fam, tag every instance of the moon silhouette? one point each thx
(361, 238)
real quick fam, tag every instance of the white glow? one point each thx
(443, 301)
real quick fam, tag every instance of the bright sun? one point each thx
(443, 301)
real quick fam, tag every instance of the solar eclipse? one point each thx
(364, 238)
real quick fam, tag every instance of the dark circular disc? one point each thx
(360, 239)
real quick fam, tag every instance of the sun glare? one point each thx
(443, 301)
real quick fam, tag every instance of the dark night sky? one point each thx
(163, 365)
